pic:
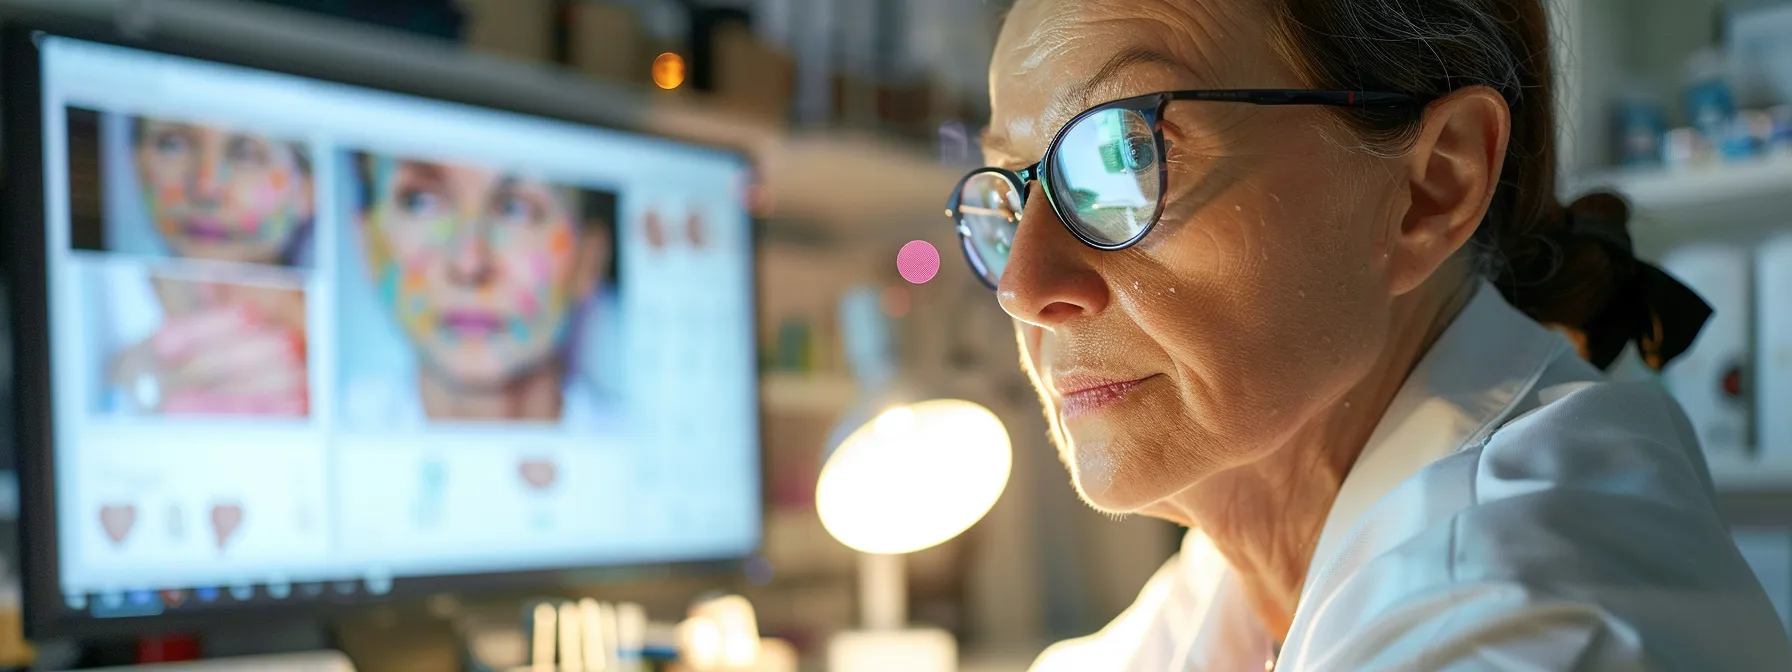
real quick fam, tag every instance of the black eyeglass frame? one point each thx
(1151, 106)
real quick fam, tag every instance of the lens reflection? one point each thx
(989, 209)
(1106, 172)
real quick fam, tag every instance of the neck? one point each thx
(534, 396)
(1265, 517)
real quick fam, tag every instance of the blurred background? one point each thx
(860, 115)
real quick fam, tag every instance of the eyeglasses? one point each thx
(1104, 173)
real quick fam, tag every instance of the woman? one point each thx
(1304, 321)
(224, 194)
(487, 275)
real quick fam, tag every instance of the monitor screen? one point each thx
(309, 340)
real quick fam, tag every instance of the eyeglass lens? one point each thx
(1106, 174)
(989, 209)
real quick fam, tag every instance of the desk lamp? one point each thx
(916, 474)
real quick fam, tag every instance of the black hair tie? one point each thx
(1650, 307)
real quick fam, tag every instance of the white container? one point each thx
(1711, 380)
(1773, 343)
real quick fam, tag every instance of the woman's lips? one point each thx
(471, 323)
(1083, 396)
(207, 230)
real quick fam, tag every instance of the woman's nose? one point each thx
(470, 258)
(1049, 278)
(208, 181)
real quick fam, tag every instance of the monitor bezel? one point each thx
(26, 288)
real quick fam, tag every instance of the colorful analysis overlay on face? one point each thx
(222, 193)
(483, 271)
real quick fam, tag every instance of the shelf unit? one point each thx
(1606, 46)
(1740, 201)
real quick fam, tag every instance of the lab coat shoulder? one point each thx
(1152, 619)
(1582, 535)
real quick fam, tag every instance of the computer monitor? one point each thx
(284, 341)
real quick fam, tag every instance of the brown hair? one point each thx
(1429, 48)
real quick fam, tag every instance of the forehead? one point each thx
(447, 173)
(1056, 58)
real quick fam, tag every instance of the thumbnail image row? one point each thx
(159, 186)
(460, 292)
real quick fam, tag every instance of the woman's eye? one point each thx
(171, 143)
(246, 152)
(515, 209)
(1141, 151)
(419, 201)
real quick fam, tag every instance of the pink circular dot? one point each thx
(918, 262)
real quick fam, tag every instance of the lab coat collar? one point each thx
(1466, 386)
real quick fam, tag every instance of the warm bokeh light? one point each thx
(668, 70)
(914, 477)
(719, 634)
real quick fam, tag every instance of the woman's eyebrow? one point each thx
(990, 142)
(1128, 57)
(419, 171)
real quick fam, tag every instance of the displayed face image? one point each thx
(483, 270)
(223, 194)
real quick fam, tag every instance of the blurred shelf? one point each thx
(1770, 474)
(820, 394)
(1719, 200)
(856, 183)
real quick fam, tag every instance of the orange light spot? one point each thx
(560, 241)
(668, 70)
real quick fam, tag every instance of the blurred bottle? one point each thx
(1686, 147)
(1750, 135)
(1779, 140)
(1640, 127)
(1710, 104)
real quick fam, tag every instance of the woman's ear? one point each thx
(1452, 174)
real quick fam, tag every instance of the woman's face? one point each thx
(481, 268)
(1257, 301)
(222, 194)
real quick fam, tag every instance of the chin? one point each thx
(1109, 482)
(470, 373)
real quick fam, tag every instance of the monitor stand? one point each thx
(315, 661)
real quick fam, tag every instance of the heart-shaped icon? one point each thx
(117, 520)
(695, 230)
(539, 474)
(654, 230)
(225, 519)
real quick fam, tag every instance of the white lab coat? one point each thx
(1512, 511)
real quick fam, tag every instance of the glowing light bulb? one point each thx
(668, 71)
(914, 477)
